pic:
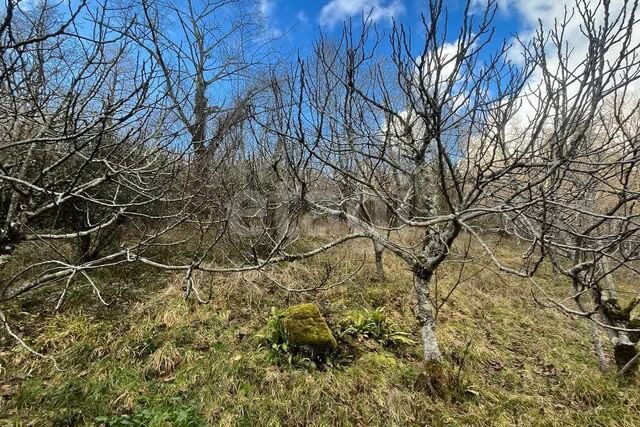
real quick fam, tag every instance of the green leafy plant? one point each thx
(374, 325)
(274, 338)
(179, 416)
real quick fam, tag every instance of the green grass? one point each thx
(154, 359)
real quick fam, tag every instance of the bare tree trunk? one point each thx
(599, 349)
(378, 251)
(624, 350)
(278, 216)
(427, 320)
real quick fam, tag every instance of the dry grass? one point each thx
(167, 361)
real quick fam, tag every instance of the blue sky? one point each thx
(298, 23)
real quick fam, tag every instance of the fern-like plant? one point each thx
(374, 325)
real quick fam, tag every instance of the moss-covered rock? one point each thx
(305, 327)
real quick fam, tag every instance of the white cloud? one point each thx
(302, 17)
(266, 10)
(336, 11)
(266, 7)
(444, 60)
(531, 13)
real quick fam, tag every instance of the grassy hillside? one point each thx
(153, 358)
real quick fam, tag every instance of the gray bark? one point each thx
(378, 251)
(599, 348)
(624, 349)
(427, 321)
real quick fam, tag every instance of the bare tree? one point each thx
(207, 51)
(89, 143)
(436, 134)
(587, 225)
(83, 145)
(425, 125)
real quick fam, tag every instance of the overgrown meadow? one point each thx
(153, 358)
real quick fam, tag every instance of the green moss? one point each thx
(306, 327)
